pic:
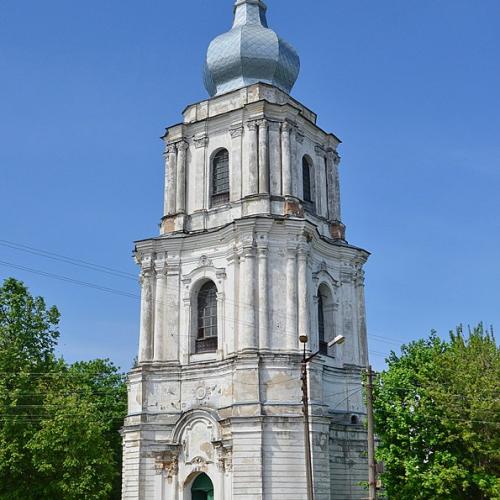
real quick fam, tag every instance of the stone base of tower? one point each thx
(179, 428)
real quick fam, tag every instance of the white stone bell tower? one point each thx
(251, 255)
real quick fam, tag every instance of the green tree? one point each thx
(28, 335)
(77, 450)
(437, 416)
(58, 423)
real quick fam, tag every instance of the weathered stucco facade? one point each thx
(272, 249)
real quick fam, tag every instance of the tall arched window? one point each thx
(326, 326)
(220, 178)
(306, 180)
(323, 346)
(206, 340)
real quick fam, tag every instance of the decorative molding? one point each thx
(171, 148)
(182, 145)
(167, 462)
(324, 275)
(225, 456)
(236, 131)
(262, 123)
(299, 136)
(200, 141)
(252, 125)
(203, 392)
(205, 262)
(320, 150)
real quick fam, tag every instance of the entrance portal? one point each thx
(203, 488)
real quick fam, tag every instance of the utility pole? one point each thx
(372, 465)
(307, 437)
(339, 339)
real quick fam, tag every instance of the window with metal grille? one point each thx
(206, 340)
(220, 178)
(306, 180)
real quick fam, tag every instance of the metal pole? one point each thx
(372, 467)
(307, 439)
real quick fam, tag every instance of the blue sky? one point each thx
(412, 88)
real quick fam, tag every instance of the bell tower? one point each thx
(252, 254)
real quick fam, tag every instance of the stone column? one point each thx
(303, 293)
(275, 159)
(248, 338)
(263, 157)
(253, 162)
(181, 177)
(147, 316)
(333, 186)
(291, 299)
(160, 307)
(359, 281)
(294, 164)
(336, 183)
(263, 298)
(235, 170)
(286, 156)
(321, 206)
(171, 177)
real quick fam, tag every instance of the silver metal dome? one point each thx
(250, 53)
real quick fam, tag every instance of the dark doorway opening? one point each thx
(203, 488)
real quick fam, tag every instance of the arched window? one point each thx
(206, 339)
(326, 329)
(306, 180)
(323, 346)
(220, 178)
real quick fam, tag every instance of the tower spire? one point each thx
(250, 12)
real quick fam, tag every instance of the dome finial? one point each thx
(250, 12)
(250, 53)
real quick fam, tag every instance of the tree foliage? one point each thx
(58, 423)
(437, 416)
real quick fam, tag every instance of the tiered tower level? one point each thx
(251, 255)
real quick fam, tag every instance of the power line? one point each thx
(68, 260)
(69, 280)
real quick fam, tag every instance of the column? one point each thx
(359, 281)
(333, 186)
(336, 184)
(275, 159)
(253, 165)
(235, 170)
(294, 163)
(303, 292)
(147, 298)
(320, 168)
(263, 299)
(263, 157)
(286, 159)
(171, 178)
(160, 311)
(181, 177)
(291, 300)
(248, 338)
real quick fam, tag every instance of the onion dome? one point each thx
(250, 53)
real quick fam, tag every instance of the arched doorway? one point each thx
(203, 488)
